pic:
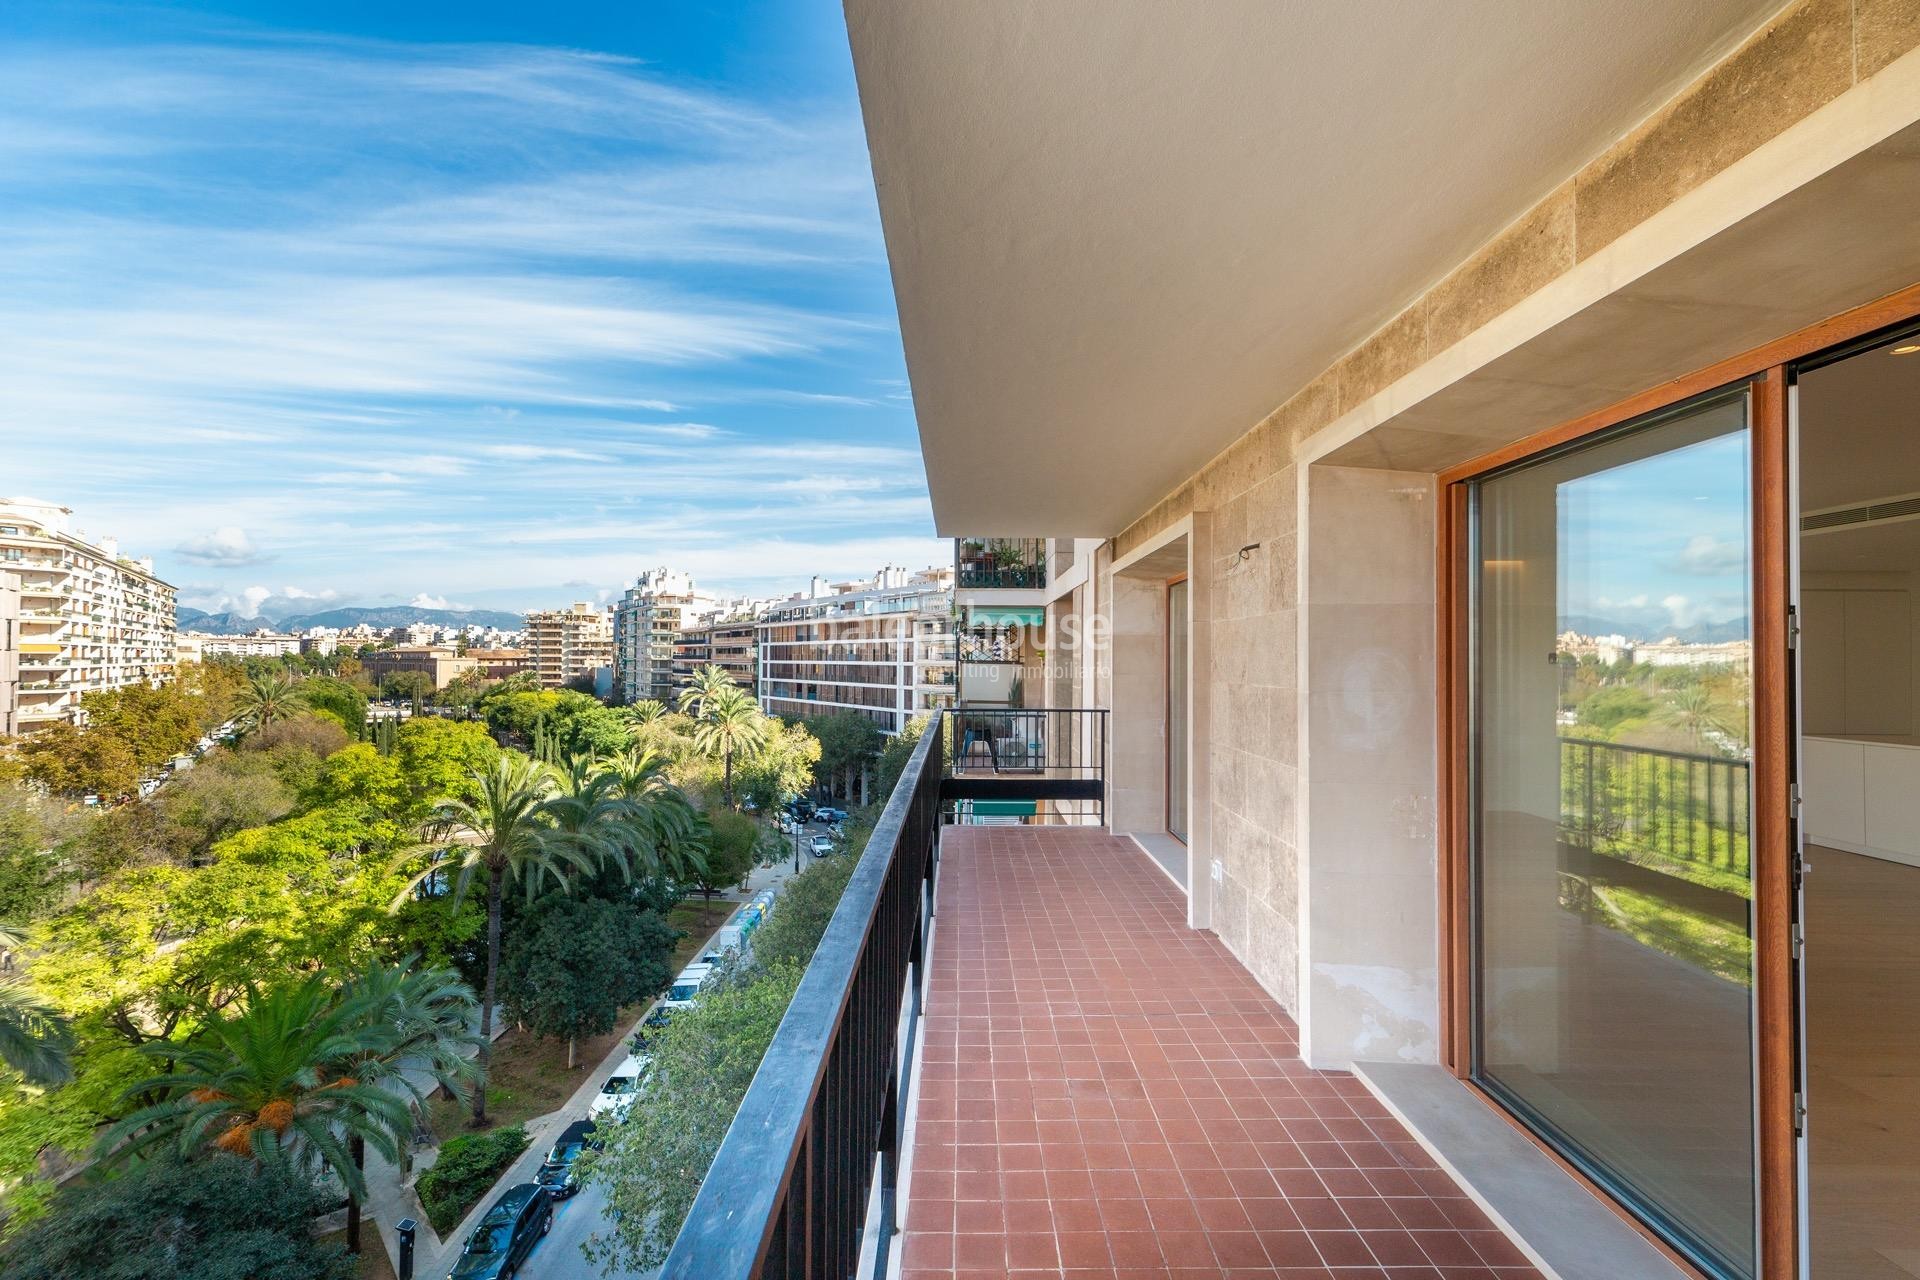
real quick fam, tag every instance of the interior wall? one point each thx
(1369, 965)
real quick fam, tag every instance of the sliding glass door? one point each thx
(1611, 668)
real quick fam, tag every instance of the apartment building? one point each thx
(255, 644)
(9, 654)
(90, 619)
(1378, 348)
(733, 645)
(569, 643)
(647, 623)
(881, 647)
(500, 664)
(439, 663)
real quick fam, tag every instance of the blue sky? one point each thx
(486, 304)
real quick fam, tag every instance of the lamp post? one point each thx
(797, 829)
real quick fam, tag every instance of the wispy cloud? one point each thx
(404, 313)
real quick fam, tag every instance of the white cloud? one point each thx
(425, 601)
(228, 545)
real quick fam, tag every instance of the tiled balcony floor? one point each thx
(1106, 1092)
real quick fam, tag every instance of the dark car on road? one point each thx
(505, 1237)
(556, 1171)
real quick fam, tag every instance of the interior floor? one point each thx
(1863, 1037)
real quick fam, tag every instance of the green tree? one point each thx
(703, 687)
(895, 754)
(69, 760)
(339, 699)
(506, 834)
(35, 1040)
(407, 686)
(268, 698)
(731, 724)
(166, 1219)
(439, 758)
(654, 1161)
(1608, 709)
(732, 848)
(574, 963)
(425, 1019)
(849, 744)
(268, 1080)
(644, 712)
(35, 836)
(807, 903)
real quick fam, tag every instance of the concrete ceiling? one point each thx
(1123, 231)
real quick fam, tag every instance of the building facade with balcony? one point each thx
(567, 644)
(882, 647)
(255, 644)
(1377, 352)
(90, 619)
(647, 624)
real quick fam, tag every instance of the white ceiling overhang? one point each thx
(1123, 231)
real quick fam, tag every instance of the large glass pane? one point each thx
(1613, 669)
(1177, 709)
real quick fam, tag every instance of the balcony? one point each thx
(1101, 1091)
(1001, 564)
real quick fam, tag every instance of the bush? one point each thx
(466, 1170)
(215, 1219)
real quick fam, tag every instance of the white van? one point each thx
(685, 991)
(725, 942)
(621, 1088)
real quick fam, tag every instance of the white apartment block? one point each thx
(646, 622)
(882, 648)
(567, 643)
(90, 619)
(255, 644)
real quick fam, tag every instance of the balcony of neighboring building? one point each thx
(1001, 564)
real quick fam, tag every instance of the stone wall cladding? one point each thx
(1801, 59)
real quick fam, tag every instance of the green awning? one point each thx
(1000, 615)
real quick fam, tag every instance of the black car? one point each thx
(505, 1237)
(556, 1171)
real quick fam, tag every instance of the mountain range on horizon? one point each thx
(231, 623)
(1646, 633)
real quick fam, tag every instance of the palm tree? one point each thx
(703, 686)
(639, 715)
(508, 833)
(660, 821)
(730, 722)
(272, 1079)
(268, 698)
(34, 1039)
(1696, 709)
(430, 1015)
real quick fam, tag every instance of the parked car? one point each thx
(556, 1171)
(685, 991)
(822, 846)
(505, 1237)
(621, 1088)
(827, 813)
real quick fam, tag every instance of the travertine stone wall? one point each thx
(1807, 55)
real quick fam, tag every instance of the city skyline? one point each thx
(648, 322)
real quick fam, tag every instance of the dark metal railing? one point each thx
(788, 1192)
(1683, 807)
(1056, 756)
(1001, 562)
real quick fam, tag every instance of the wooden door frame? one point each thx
(1766, 371)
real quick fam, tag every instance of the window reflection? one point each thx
(1611, 845)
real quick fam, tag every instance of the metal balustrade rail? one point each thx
(1681, 806)
(1055, 756)
(789, 1190)
(1001, 563)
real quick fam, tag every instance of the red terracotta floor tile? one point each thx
(1106, 1094)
